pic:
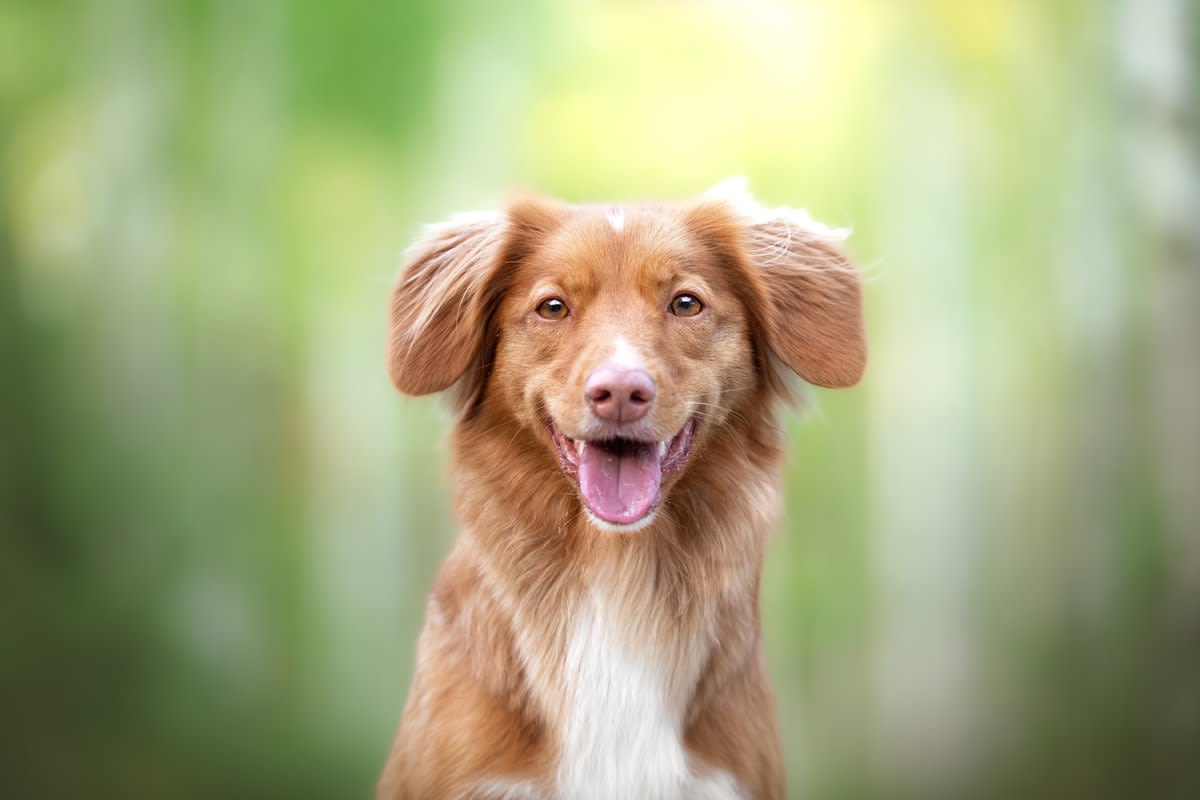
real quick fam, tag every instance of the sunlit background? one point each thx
(219, 520)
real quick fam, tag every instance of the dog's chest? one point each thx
(626, 690)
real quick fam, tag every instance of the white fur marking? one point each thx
(621, 738)
(626, 355)
(612, 527)
(616, 218)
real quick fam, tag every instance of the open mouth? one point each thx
(620, 479)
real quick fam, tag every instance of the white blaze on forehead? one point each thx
(626, 355)
(616, 218)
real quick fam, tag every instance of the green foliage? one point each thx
(219, 523)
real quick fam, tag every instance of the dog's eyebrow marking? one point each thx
(616, 218)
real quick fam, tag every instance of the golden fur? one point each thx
(494, 689)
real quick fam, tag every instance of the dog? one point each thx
(616, 374)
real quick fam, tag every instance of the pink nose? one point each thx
(619, 394)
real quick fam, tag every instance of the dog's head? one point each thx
(625, 338)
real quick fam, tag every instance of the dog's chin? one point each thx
(613, 527)
(620, 479)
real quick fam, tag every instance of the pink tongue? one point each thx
(619, 482)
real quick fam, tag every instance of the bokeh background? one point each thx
(219, 521)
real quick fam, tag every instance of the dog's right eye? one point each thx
(552, 309)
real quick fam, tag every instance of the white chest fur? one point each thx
(622, 734)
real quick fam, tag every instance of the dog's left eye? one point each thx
(685, 305)
(553, 309)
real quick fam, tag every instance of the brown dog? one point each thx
(616, 371)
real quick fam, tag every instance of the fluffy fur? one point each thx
(564, 656)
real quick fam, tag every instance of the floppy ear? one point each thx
(440, 303)
(810, 291)
(814, 298)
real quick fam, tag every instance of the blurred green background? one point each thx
(219, 521)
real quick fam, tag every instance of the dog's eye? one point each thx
(685, 305)
(553, 309)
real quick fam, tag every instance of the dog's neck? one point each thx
(528, 534)
(706, 524)
(610, 638)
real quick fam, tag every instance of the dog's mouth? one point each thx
(620, 479)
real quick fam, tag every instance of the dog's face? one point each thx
(622, 339)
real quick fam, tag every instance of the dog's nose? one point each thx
(619, 394)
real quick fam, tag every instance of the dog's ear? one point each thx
(451, 283)
(440, 303)
(802, 281)
(814, 299)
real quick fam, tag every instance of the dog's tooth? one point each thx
(662, 449)
(580, 444)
